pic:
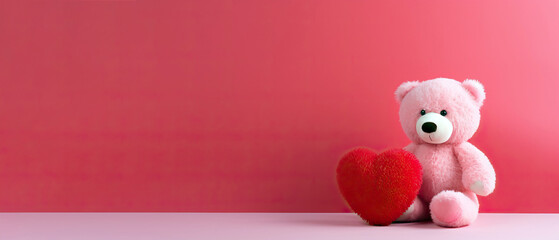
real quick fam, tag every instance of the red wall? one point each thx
(247, 105)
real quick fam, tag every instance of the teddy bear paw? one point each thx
(406, 216)
(478, 188)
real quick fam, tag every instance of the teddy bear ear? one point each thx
(476, 89)
(404, 89)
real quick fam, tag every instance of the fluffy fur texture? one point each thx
(454, 171)
(379, 188)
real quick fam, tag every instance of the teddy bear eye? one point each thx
(443, 112)
(422, 112)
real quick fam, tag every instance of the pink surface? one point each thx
(171, 226)
(247, 105)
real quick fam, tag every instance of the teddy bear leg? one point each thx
(454, 209)
(416, 212)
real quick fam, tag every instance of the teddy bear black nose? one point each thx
(429, 127)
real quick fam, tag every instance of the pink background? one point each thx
(247, 105)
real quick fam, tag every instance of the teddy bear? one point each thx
(439, 174)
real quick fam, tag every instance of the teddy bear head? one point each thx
(440, 111)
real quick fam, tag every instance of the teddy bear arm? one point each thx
(410, 147)
(478, 174)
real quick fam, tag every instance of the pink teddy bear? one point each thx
(440, 116)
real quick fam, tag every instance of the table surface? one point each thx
(77, 226)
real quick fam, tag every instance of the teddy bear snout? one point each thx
(434, 128)
(429, 127)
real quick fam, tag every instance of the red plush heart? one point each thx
(379, 188)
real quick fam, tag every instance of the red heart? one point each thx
(379, 188)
